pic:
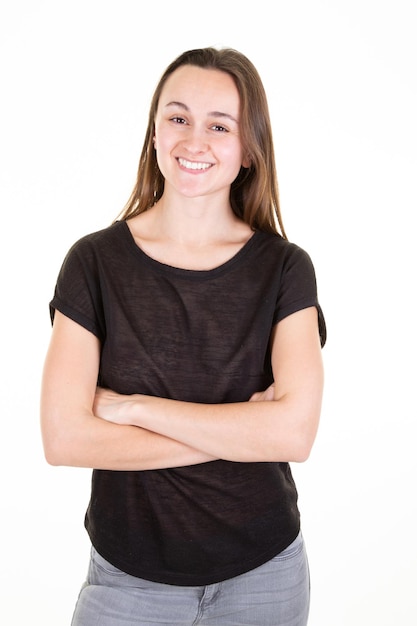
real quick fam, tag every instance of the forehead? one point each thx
(202, 88)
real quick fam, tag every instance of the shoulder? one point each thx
(294, 277)
(100, 238)
(280, 251)
(95, 247)
(92, 252)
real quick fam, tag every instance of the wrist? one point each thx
(137, 410)
(130, 411)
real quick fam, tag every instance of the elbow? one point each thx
(53, 452)
(295, 443)
(293, 450)
(306, 418)
(295, 447)
(304, 438)
(63, 439)
(51, 429)
(52, 460)
(301, 452)
(57, 454)
(55, 442)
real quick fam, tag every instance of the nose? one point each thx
(196, 140)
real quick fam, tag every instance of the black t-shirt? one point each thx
(198, 336)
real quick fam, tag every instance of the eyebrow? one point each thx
(183, 106)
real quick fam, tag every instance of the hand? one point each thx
(264, 396)
(113, 407)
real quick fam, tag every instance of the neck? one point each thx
(195, 219)
(190, 234)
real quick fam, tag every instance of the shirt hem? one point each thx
(196, 580)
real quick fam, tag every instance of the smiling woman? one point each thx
(197, 129)
(185, 369)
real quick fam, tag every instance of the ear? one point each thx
(246, 162)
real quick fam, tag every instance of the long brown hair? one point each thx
(254, 193)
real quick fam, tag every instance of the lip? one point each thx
(194, 166)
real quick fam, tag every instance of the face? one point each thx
(197, 140)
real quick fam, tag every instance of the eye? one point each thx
(219, 128)
(178, 120)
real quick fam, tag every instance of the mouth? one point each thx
(194, 165)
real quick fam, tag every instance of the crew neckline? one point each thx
(179, 271)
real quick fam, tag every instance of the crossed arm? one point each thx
(89, 427)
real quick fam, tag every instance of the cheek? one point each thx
(160, 145)
(164, 142)
(235, 158)
(158, 137)
(159, 153)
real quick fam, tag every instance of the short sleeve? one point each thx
(298, 288)
(77, 292)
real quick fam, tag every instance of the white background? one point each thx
(76, 81)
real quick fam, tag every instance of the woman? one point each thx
(185, 369)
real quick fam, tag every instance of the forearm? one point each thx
(72, 433)
(94, 443)
(278, 430)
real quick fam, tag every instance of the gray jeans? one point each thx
(274, 594)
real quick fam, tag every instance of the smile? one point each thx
(194, 165)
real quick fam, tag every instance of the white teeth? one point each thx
(190, 165)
